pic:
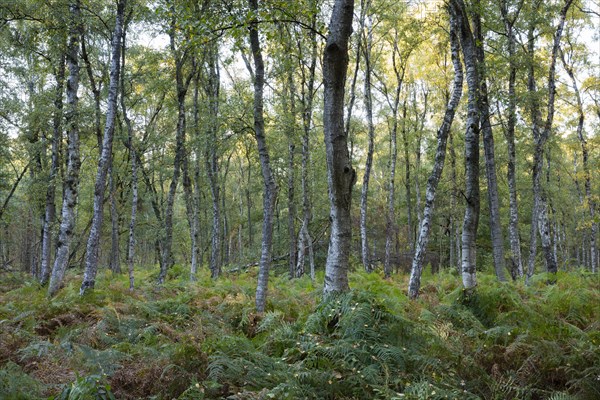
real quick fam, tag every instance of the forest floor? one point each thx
(203, 340)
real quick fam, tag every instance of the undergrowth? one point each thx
(203, 339)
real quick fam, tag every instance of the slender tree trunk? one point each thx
(291, 181)
(96, 88)
(488, 146)
(540, 142)
(399, 71)
(471, 217)
(212, 90)
(270, 188)
(513, 226)
(104, 162)
(536, 118)
(71, 182)
(591, 205)
(225, 249)
(195, 195)
(308, 87)
(340, 174)
(352, 96)
(212, 165)
(436, 173)
(419, 127)
(454, 227)
(182, 86)
(115, 259)
(134, 173)
(249, 200)
(367, 30)
(50, 209)
(407, 179)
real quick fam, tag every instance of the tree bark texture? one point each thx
(71, 182)
(364, 194)
(91, 259)
(440, 157)
(471, 217)
(488, 147)
(270, 188)
(50, 207)
(513, 226)
(340, 174)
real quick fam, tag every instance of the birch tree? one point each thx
(71, 184)
(440, 157)
(104, 162)
(471, 194)
(270, 188)
(340, 174)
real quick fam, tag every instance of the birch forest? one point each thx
(313, 199)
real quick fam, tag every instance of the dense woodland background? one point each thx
(183, 142)
(195, 60)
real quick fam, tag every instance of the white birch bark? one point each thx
(471, 217)
(436, 173)
(91, 259)
(368, 43)
(71, 183)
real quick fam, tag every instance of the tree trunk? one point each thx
(193, 202)
(91, 259)
(270, 189)
(436, 173)
(419, 127)
(71, 182)
(390, 231)
(115, 259)
(541, 137)
(291, 181)
(407, 179)
(513, 226)
(308, 86)
(96, 88)
(352, 96)
(471, 217)
(212, 90)
(50, 209)
(225, 249)
(340, 174)
(182, 86)
(591, 205)
(455, 257)
(134, 171)
(488, 146)
(367, 30)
